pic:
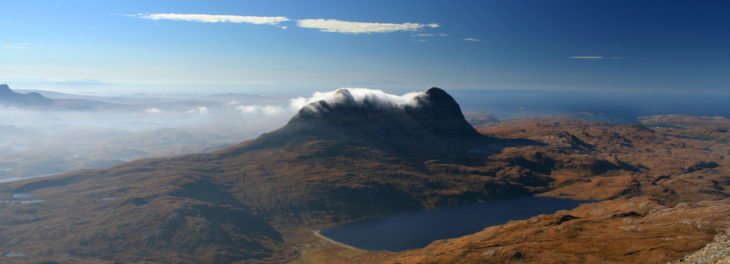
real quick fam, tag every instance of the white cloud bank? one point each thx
(153, 110)
(350, 27)
(356, 95)
(233, 103)
(206, 18)
(263, 109)
(200, 110)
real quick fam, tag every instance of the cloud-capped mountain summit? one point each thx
(423, 125)
(434, 111)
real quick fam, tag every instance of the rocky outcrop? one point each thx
(717, 252)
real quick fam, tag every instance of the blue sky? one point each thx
(301, 46)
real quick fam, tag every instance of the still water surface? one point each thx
(419, 228)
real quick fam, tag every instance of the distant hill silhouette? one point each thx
(10, 97)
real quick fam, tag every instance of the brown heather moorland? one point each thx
(661, 188)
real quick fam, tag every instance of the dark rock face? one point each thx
(439, 114)
(701, 166)
(431, 126)
(9, 97)
(434, 111)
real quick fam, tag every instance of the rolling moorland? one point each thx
(660, 189)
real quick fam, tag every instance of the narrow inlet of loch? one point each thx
(417, 229)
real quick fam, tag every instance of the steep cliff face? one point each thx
(438, 113)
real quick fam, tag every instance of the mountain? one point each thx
(9, 97)
(348, 156)
(46, 100)
(432, 126)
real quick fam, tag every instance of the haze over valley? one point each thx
(76, 132)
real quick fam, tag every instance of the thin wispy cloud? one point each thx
(323, 25)
(587, 57)
(207, 18)
(470, 39)
(596, 57)
(350, 27)
(15, 46)
(429, 35)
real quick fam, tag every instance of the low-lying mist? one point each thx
(78, 132)
(36, 142)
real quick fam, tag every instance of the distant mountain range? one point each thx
(36, 100)
(52, 100)
(10, 97)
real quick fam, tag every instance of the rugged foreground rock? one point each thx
(717, 252)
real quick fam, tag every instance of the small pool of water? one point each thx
(14, 254)
(22, 195)
(417, 229)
